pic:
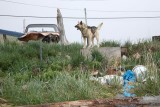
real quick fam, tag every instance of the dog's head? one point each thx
(80, 25)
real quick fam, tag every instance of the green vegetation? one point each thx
(110, 44)
(64, 73)
(150, 57)
(63, 87)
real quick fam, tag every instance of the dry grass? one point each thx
(10, 38)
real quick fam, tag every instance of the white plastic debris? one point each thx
(124, 58)
(140, 72)
(108, 79)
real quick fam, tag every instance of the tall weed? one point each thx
(63, 87)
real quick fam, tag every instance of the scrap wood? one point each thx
(2, 101)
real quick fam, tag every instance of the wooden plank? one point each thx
(11, 33)
(115, 102)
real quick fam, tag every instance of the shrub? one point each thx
(76, 60)
(97, 56)
(109, 44)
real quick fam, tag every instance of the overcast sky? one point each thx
(112, 29)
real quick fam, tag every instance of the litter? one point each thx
(129, 79)
(140, 72)
(108, 79)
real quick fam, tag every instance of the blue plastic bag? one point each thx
(129, 78)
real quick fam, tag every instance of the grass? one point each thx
(24, 80)
(10, 38)
(152, 84)
(149, 56)
(63, 87)
(109, 44)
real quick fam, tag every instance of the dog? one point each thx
(31, 36)
(37, 36)
(89, 32)
(51, 38)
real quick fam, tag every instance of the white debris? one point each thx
(124, 58)
(140, 72)
(108, 79)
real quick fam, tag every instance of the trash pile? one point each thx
(127, 80)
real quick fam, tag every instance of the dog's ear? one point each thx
(81, 22)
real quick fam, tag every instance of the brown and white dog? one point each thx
(89, 32)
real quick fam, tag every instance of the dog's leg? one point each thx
(97, 38)
(92, 41)
(84, 44)
(89, 42)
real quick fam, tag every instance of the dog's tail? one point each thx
(99, 26)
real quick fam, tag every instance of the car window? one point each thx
(41, 28)
(34, 29)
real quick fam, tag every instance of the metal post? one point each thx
(24, 25)
(85, 11)
(4, 37)
(40, 53)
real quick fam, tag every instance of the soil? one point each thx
(116, 102)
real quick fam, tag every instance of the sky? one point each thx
(121, 30)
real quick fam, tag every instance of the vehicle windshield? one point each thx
(41, 28)
(38, 29)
